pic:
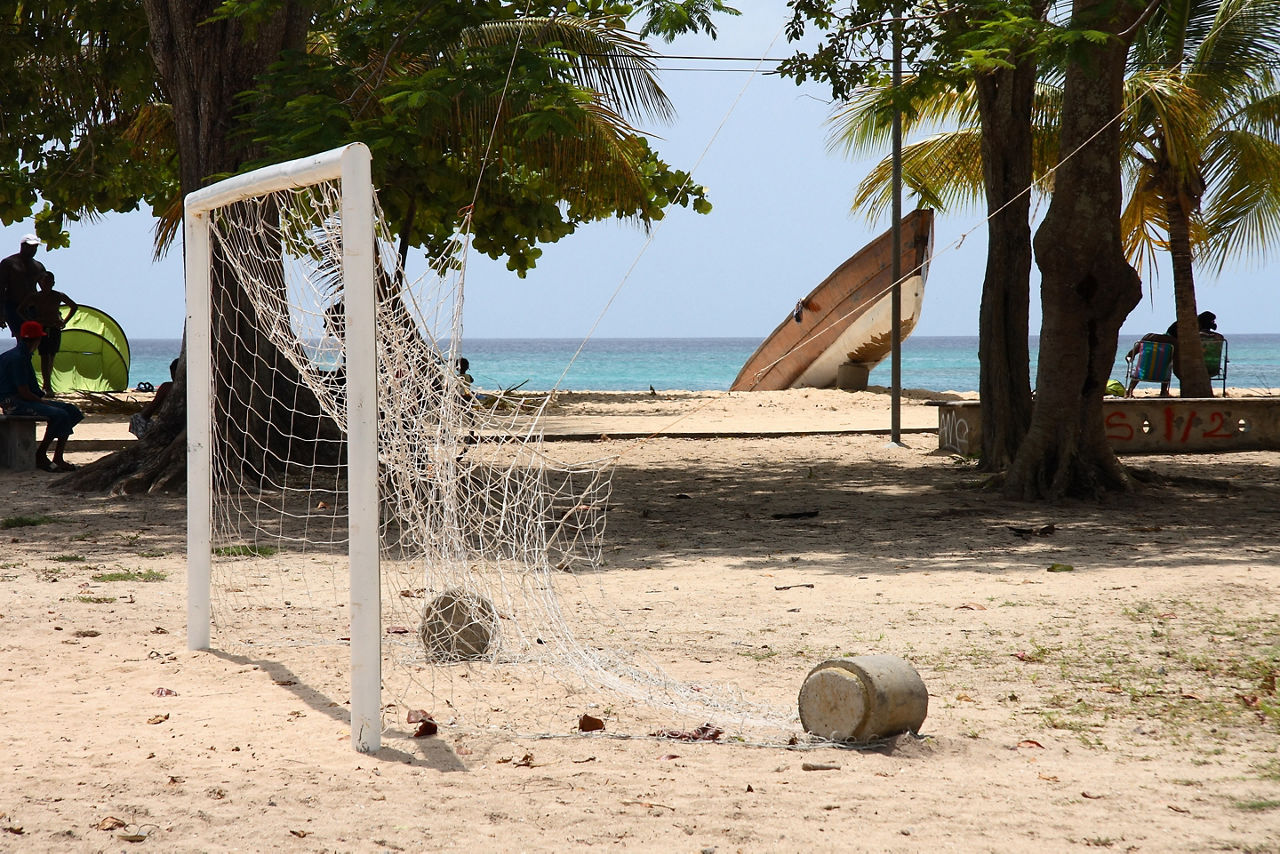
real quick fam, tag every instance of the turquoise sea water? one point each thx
(698, 364)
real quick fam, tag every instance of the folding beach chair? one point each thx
(1215, 359)
(1150, 361)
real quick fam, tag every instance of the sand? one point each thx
(1126, 703)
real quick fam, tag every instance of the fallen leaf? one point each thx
(301, 834)
(164, 692)
(1061, 567)
(669, 756)
(416, 716)
(1091, 797)
(159, 630)
(426, 728)
(1049, 777)
(525, 761)
(466, 751)
(1179, 809)
(87, 633)
(158, 719)
(971, 606)
(1189, 696)
(284, 683)
(1250, 701)
(322, 505)
(584, 761)
(1168, 616)
(398, 630)
(964, 698)
(132, 837)
(587, 723)
(15, 829)
(818, 766)
(110, 823)
(1030, 742)
(1111, 689)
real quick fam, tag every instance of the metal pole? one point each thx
(895, 424)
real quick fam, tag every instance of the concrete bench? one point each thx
(18, 441)
(1146, 425)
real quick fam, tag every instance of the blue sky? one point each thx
(781, 223)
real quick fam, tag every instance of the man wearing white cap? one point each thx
(19, 276)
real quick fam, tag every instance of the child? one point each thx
(44, 307)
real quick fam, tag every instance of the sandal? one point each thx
(44, 465)
(63, 465)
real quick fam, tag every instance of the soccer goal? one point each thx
(261, 247)
(346, 488)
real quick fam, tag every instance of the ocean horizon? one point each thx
(935, 363)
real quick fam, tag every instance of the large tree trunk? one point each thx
(1193, 376)
(1087, 286)
(1004, 381)
(203, 66)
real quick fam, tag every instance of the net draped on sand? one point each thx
(496, 611)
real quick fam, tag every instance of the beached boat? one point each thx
(847, 318)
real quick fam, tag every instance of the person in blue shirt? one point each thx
(20, 394)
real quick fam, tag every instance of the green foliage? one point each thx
(24, 521)
(78, 86)
(522, 121)
(84, 127)
(145, 575)
(245, 551)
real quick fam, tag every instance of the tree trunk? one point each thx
(202, 66)
(1193, 376)
(1004, 381)
(1087, 286)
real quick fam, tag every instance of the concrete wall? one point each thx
(1151, 425)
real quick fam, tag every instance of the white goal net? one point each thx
(358, 493)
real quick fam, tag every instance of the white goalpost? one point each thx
(347, 488)
(350, 167)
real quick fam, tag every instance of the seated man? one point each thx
(1208, 323)
(20, 394)
(1169, 338)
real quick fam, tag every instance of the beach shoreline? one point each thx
(1124, 700)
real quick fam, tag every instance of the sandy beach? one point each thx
(1100, 676)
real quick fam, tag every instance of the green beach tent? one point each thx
(94, 355)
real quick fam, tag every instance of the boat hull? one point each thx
(848, 317)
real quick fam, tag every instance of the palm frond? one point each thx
(1242, 215)
(943, 171)
(610, 62)
(1144, 224)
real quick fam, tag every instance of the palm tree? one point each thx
(1202, 134)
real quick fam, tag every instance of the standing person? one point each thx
(45, 307)
(19, 274)
(20, 395)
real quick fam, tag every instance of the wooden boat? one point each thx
(847, 318)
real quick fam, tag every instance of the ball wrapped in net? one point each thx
(458, 625)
